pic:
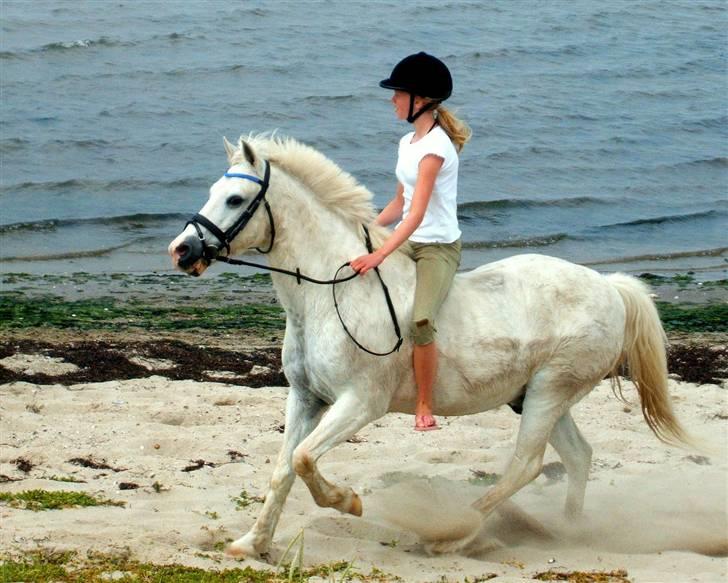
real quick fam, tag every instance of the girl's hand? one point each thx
(366, 262)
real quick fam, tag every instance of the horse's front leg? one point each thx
(303, 412)
(344, 418)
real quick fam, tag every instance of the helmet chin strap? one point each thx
(412, 116)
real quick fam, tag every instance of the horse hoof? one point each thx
(235, 552)
(447, 547)
(241, 548)
(356, 507)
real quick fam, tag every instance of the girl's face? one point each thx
(401, 100)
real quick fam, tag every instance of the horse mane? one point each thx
(333, 187)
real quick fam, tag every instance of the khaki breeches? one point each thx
(436, 267)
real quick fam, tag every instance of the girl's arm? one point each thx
(427, 173)
(393, 210)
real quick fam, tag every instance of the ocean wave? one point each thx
(66, 46)
(82, 44)
(98, 186)
(655, 93)
(716, 252)
(717, 162)
(517, 51)
(179, 36)
(459, 5)
(155, 75)
(316, 99)
(74, 254)
(519, 153)
(18, 144)
(718, 122)
(133, 221)
(199, 71)
(666, 219)
(247, 11)
(10, 55)
(700, 64)
(467, 210)
(543, 241)
(97, 143)
(13, 144)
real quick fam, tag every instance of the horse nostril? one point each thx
(187, 252)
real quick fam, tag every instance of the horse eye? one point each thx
(235, 201)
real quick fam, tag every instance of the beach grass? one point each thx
(70, 567)
(37, 500)
(96, 568)
(615, 576)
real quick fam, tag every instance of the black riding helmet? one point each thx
(420, 74)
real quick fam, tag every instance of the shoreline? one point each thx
(229, 287)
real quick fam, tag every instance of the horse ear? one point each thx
(249, 154)
(229, 149)
(251, 157)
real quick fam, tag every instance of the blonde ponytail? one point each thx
(458, 131)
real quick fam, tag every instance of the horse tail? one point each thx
(644, 354)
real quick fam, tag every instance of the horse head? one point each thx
(228, 223)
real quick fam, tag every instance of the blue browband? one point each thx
(244, 176)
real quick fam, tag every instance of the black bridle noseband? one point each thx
(211, 252)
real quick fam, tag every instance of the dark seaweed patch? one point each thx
(100, 361)
(89, 462)
(697, 363)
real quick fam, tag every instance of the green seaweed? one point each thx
(245, 500)
(693, 318)
(480, 478)
(18, 311)
(722, 283)
(682, 280)
(169, 302)
(37, 500)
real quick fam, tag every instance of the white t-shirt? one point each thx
(440, 223)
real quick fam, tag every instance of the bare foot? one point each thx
(425, 423)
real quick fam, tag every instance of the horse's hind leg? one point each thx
(576, 455)
(343, 419)
(543, 406)
(302, 415)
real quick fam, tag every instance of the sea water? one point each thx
(599, 128)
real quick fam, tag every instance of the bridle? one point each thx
(212, 252)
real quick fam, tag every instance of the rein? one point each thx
(211, 252)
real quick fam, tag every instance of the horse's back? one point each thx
(504, 321)
(537, 290)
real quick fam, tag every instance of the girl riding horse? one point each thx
(426, 202)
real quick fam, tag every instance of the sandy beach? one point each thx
(142, 410)
(190, 460)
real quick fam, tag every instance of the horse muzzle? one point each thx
(190, 255)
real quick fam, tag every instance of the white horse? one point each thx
(529, 328)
